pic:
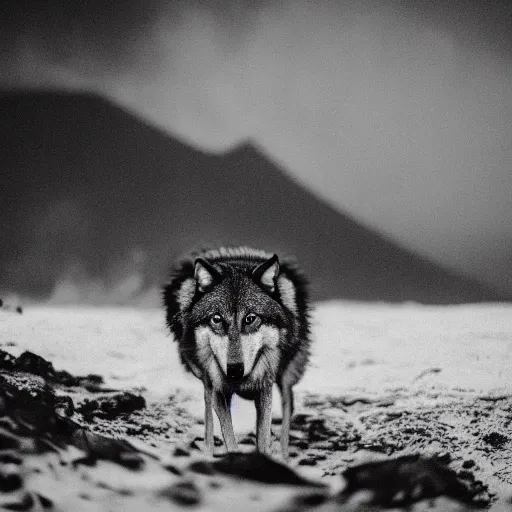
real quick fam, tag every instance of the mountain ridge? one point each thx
(90, 186)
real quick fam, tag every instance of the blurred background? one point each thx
(371, 139)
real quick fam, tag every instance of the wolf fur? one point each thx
(241, 320)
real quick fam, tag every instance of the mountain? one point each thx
(93, 192)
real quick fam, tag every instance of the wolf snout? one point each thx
(235, 371)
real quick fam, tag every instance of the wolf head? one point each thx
(234, 316)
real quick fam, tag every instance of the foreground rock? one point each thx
(51, 460)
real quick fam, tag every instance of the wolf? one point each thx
(241, 318)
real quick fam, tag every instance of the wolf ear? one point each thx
(266, 273)
(205, 274)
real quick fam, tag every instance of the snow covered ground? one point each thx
(358, 347)
(432, 379)
(380, 346)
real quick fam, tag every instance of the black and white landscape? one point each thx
(371, 140)
(385, 381)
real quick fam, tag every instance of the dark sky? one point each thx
(399, 113)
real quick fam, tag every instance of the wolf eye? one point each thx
(216, 319)
(250, 319)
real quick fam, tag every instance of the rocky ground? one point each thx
(71, 442)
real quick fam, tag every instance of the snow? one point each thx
(358, 348)
(378, 347)
(129, 347)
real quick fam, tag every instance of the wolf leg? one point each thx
(287, 407)
(263, 419)
(221, 405)
(208, 418)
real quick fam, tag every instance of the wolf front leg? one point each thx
(208, 418)
(221, 405)
(263, 419)
(287, 407)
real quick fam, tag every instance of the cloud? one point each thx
(398, 113)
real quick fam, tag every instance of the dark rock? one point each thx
(89, 409)
(21, 502)
(28, 362)
(469, 463)
(65, 378)
(183, 493)
(260, 468)
(88, 460)
(443, 458)
(35, 420)
(30, 401)
(32, 363)
(410, 477)
(301, 444)
(134, 431)
(181, 452)
(301, 419)
(311, 500)
(45, 502)
(495, 439)
(309, 461)
(481, 492)
(9, 457)
(9, 441)
(304, 502)
(173, 469)
(339, 445)
(91, 382)
(111, 407)
(7, 361)
(202, 467)
(193, 445)
(10, 480)
(64, 406)
(100, 447)
(130, 460)
(318, 431)
(466, 475)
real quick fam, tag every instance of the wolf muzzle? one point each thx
(235, 371)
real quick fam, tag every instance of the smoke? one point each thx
(126, 285)
(53, 250)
